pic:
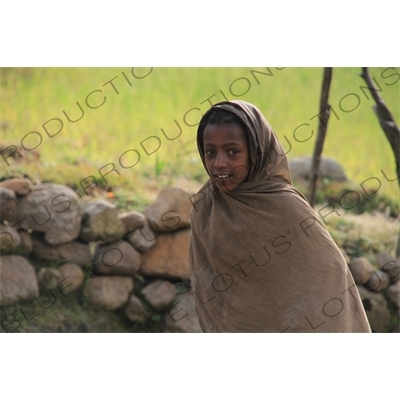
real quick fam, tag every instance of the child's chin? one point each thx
(226, 187)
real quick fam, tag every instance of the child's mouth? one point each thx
(223, 176)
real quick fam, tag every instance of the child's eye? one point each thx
(233, 152)
(209, 152)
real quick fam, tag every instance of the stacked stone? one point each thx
(379, 288)
(103, 254)
(131, 262)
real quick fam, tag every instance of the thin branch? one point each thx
(385, 118)
(387, 123)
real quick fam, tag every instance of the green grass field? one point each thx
(130, 106)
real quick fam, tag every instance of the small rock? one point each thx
(379, 281)
(52, 209)
(132, 220)
(182, 315)
(49, 278)
(118, 258)
(72, 277)
(390, 266)
(20, 186)
(26, 243)
(361, 269)
(144, 238)
(109, 292)
(101, 222)
(169, 257)
(73, 252)
(135, 310)
(375, 306)
(10, 239)
(393, 293)
(159, 294)
(8, 201)
(170, 211)
(18, 280)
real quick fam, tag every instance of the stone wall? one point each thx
(379, 288)
(55, 243)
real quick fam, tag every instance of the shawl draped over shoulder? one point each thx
(260, 259)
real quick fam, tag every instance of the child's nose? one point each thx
(220, 161)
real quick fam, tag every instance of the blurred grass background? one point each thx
(142, 107)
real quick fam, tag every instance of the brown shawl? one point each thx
(260, 260)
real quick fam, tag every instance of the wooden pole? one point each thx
(324, 113)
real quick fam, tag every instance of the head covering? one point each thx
(264, 164)
(260, 259)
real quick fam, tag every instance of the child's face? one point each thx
(226, 155)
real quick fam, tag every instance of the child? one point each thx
(260, 260)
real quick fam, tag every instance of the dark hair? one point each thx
(220, 117)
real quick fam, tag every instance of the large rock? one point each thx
(328, 169)
(144, 238)
(393, 293)
(159, 294)
(52, 209)
(136, 310)
(132, 220)
(101, 222)
(20, 186)
(182, 315)
(169, 257)
(376, 308)
(18, 280)
(8, 202)
(170, 211)
(361, 270)
(379, 281)
(10, 239)
(109, 292)
(118, 258)
(72, 277)
(73, 252)
(382, 258)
